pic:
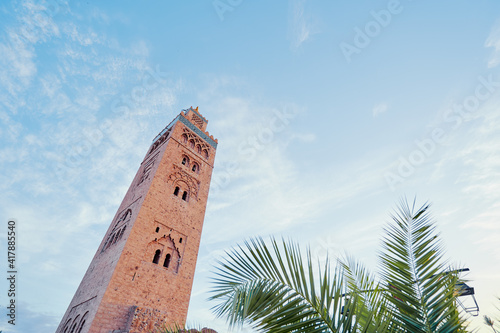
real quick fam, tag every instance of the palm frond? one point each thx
(413, 271)
(372, 310)
(275, 290)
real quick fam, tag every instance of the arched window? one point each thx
(205, 153)
(184, 138)
(184, 196)
(180, 240)
(75, 324)
(157, 229)
(191, 143)
(110, 241)
(122, 232)
(166, 263)
(153, 147)
(198, 149)
(81, 326)
(184, 161)
(82, 322)
(156, 258)
(176, 191)
(67, 326)
(125, 216)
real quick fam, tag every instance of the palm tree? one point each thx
(273, 287)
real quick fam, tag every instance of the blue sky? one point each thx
(413, 111)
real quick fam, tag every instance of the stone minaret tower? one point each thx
(142, 273)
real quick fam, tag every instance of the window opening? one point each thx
(82, 322)
(75, 324)
(112, 239)
(184, 196)
(156, 258)
(81, 326)
(68, 325)
(184, 161)
(157, 229)
(176, 191)
(122, 232)
(147, 170)
(166, 263)
(180, 240)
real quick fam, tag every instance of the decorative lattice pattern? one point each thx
(197, 121)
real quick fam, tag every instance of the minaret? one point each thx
(142, 273)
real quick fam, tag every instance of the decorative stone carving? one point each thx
(198, 142)
(180, 175)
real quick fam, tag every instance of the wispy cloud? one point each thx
(493, 41)
(471, 163)
(379, 109)
(54, 113)
(301, 24)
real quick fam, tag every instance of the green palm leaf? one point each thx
(413, 271)
(274, 289)
(372, 309)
